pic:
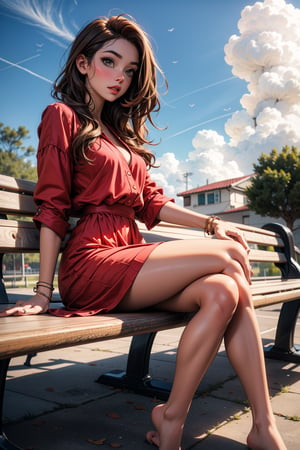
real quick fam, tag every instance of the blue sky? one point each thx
(188, 38)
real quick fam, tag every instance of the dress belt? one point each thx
(116, 209)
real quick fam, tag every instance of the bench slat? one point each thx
(275, 297)
(14, 203)
(170, 232)
(266, 256)
(17, 236)
(44, 332)
(274, 286)
(16, 185)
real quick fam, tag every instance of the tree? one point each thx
(275, 188)
(13, 153)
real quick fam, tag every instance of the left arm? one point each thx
(178, 215)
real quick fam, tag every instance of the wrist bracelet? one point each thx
(36, 291)
(45, 284)
(209, 228)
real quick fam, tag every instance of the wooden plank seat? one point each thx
(272, 244)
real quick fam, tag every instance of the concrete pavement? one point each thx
(56, 404)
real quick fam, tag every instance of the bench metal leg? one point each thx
(137, 377)
(28, 359)
(5, 444)
(284, 347)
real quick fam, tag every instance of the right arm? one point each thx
(53, 199)
(50, 244)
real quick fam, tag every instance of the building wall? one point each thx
(232, 199)
(224, 199)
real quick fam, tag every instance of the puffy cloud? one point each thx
(266, 54)
(168, 176)
(211, 158)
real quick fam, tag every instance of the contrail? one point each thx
(25, 70)
(198, 125)
(203, 88)
(20, 62)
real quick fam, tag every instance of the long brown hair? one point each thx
(126, 115)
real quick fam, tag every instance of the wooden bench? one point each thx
(30, 334)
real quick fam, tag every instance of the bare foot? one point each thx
(265, 439)
(169, 432)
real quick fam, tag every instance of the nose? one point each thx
(120, 76)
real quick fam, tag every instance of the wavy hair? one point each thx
(126, 115)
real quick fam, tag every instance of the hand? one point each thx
(223, 230)
(35, 305)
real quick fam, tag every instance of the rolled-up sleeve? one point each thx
(53, 190)
(153, 200)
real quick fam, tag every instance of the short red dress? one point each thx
(106, 250)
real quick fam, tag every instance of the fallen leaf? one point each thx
(38, 422)
(113, 415)
(115, 445)
(139, 407)
(97, 441)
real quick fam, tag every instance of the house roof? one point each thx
(217, 185)
(233, 210)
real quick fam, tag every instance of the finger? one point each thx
(239, 237)
(15, 310)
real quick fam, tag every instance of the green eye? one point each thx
(107, 62)
(130, 72)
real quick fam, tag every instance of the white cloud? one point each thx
(45, 15)
(266, 54)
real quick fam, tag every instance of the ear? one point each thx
(82, 64)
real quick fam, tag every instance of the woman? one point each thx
(92, 162)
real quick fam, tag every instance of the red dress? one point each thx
(106, 250)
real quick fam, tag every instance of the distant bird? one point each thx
(171, 29)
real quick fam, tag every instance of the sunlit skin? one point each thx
(208, 277)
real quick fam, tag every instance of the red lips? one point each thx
(114, 89)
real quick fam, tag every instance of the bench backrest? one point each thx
(271, 244)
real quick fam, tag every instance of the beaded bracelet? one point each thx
(46, 285)
(209, 229)
(36, 291)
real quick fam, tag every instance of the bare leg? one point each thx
(206, 278)
(242, 339)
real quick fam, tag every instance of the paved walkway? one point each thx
(56, 404)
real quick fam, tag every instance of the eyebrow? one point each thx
(120, 56)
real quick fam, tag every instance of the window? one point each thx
(213, 197)
(210, 198)
(187, 200)
(201, 199)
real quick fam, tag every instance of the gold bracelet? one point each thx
(209, 229)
